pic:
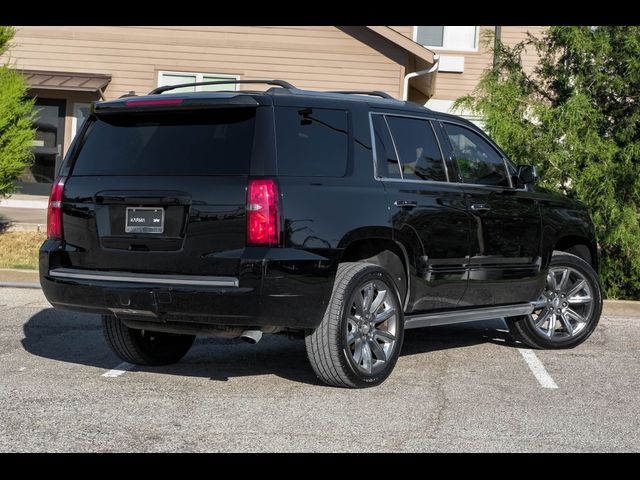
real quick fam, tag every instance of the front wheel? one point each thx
(567, 311)
(359, 339)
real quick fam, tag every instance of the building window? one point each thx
(174, 78)
(462, 38)
(80, 113)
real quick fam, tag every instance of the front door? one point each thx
(47, 148)
(428, 213)
(504, 263)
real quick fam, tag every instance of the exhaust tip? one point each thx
(251, 336)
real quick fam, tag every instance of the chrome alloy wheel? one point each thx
(372, 322)
(566, 305)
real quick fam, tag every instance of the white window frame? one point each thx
(443, 48)
(74, 118)
(199, 77)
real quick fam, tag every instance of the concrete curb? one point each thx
(20, 203)
(20, 285)
(18, 276)
(22, 227)
(621, 308)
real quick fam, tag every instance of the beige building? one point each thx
(69, 67)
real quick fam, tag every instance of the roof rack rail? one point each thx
(279, 83)
(375, 93)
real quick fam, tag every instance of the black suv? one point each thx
(341, 217)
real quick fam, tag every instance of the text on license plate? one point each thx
(144, 220)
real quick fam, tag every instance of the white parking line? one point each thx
(119, 370)
(537, 368)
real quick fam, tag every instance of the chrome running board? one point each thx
(462, 316)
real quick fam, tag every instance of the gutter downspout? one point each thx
(497, 38)
(409, 76)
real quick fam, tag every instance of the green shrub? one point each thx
(16, 119)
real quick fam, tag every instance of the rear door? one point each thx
(504, 264)
(161, 192)
(428, 213)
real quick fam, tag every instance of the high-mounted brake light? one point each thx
(151, 103)
(54, 210)
(263, 216)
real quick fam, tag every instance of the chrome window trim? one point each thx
(435, 182)
(375, 152)
(373, 147)
(127, 277)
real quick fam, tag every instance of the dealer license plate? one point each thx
(144, 220)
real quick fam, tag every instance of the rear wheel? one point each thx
(144, 347)
(359, 339)
(567, 311)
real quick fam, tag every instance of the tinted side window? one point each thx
(387, 163)
(477, 160)
(420, 157)
(312, 142)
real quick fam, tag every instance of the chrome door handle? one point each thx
(480, 207)
(405, 203)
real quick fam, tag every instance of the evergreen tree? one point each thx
(16, 119)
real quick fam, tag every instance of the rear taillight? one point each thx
(263, 216)
(54, 211)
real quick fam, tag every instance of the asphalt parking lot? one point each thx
(462, 388)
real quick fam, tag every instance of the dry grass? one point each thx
(20, 249)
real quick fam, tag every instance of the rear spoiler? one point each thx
(174, 102)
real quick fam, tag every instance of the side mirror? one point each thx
(527, 174)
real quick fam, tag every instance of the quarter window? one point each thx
(477, 160)
(312, 142)
(415, 141)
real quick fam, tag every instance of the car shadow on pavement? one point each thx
(77, 338)
(67, 337)
(422, 340)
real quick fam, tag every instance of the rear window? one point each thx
(213, 142)
(312, 142)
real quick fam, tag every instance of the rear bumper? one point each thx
(281, 287)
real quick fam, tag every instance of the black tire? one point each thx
(522, 328)
(144, 347)
(327, 347)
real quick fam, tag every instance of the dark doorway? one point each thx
(47, 147)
